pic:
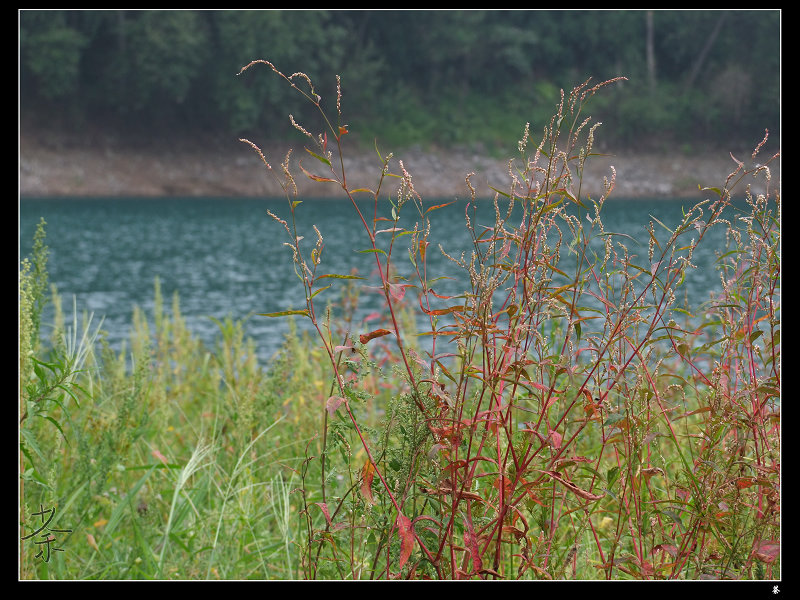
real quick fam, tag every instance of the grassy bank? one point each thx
(555, 424)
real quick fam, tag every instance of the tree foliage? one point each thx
(444, 76)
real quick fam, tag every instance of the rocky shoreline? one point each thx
(62, 167)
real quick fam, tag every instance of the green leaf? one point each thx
(69, 392)
(39, 372)
(554, 268)
(660, 223)
(30, 441)
(500, 192)
(33, 475)
(572, 198)
(57, 426)
(551, 206)
(613, 418)
(710, 189)
(285, 313)
(63, 509)
(770, 390)
(335, 276)
(116, 514)
(378, 250)
(611, 476)
(591, 470)
(320, 290)
(319, 158)
(54, 367)
(675, 517)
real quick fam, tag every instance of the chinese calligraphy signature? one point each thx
(47, 541)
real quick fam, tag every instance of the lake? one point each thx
(225, 256)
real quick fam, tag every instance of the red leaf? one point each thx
(508, 486)
(555, 438)
(366, 337)
(471, 542)
(651, 471)
(423, 245)
(767, 550)
(324, 507)
(438, 206)
(406, 533)
(333, 403)
(397, 291)
(316, 177)
(440, 296)
(444, 311)
(573, 488)
(367, 473)
(668, 548)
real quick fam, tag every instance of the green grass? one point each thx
(559, 422)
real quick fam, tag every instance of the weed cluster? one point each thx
(568, 417)
(162, 461)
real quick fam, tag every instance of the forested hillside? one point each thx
(439, 78)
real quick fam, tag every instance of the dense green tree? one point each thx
(318, 43)
(161, 54)
(50, 53)
(439, 76)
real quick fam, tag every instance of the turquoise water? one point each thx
(225, 256)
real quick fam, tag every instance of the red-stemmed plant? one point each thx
(560, 422)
